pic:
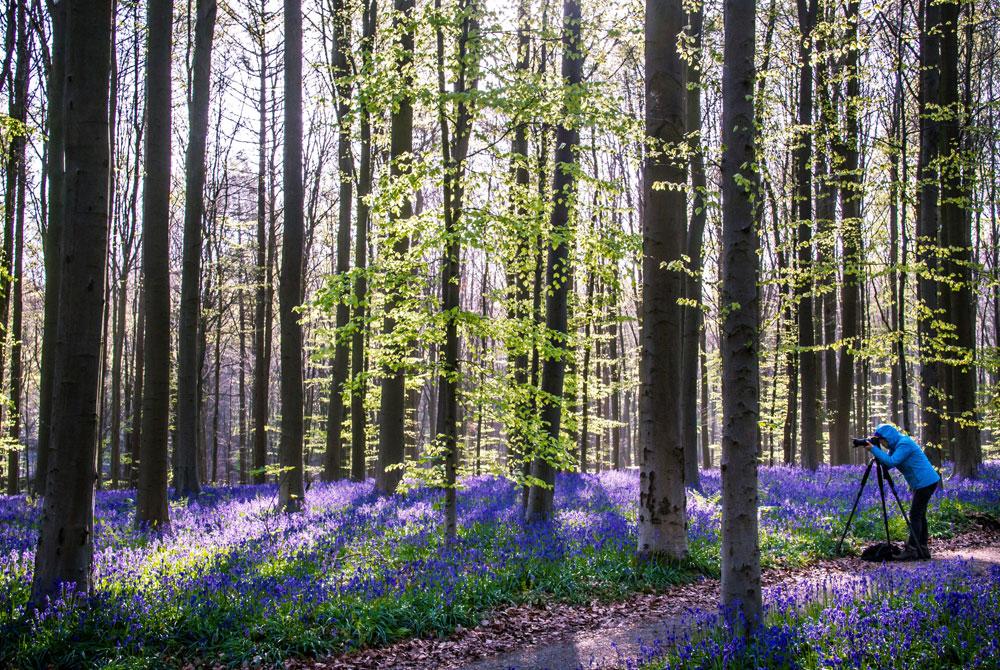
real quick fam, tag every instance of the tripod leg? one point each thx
(857, 498)
(885, 512)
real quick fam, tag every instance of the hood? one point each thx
(889, 433)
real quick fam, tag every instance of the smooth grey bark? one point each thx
(850, 205)
(151, 493)
(359, 439)
(808, 384)
(65, 543)
(392, 428)
(520, 266)
(188, 474)
(955, 192)
(927, 220)
(135, 429)
(16, 168)
(740, 265)
(559, 269)
(53, 237)
(693, 317)
(263, 293)
(117, 351)
(291, 486)
(455, 149)
(343, 89)
(662, 500)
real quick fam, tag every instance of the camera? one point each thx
(861, 441)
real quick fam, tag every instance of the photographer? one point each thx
(894, 450)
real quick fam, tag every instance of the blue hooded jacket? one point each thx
(906, 456)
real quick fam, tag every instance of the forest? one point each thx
(479, 334)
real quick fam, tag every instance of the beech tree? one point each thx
(558, 269)
(391, 428)
(151, 493)
(741, 588)
(187, 479)
(66, 538)
(291, 485)
(662, 500)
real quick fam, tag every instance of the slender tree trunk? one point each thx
(17, 167)
(135, 432)
(188, 480)
(927, 222)
(520, 268)
(662, 499)
(803, 200)
(244, 460)
(333, 461)
(359, 441)
(151, 494)
(290, 481)
(692, 316)
(559, 267)
(706, 449)
(850, 207)
(454, 149)
(585, 376)
(65, 543)
(741, 588)
(963, 424)
(262, 298)
(53, 237)
(393, 420)
(117, 377)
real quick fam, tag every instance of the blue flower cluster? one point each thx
(233, 580)
(942, 615)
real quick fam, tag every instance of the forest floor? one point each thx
(610, 635)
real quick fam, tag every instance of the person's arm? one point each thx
(895, 458)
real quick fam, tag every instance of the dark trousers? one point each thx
(918, 519)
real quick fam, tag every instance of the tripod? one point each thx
(883, 477)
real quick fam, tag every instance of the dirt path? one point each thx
(600, 635)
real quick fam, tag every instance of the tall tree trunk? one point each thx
(955, 193)
(188, 480)
(662, 506)
(850, 207)
(53, 237)
(151, 493)
(585, 373)
(559, 267)
(117, 379)
(741, 589)
(17, 167)
(927, 221)
(692, 315)
(359, 441)
(826, 215)
(804, 213)
(454, 149)
(343, 88)
(262, 280)
(392, 423)
(521, 266)
(244, 460)
(291, 488)
(706, 449)
(135, 422)
(66, 538)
